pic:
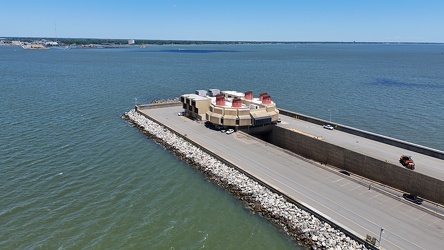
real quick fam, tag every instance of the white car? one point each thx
(328, 126)
(230, 131)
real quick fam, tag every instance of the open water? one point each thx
(74, 175)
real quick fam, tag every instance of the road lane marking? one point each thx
(337, 180)
(374, 196)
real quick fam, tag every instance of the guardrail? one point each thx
(157, 105)
(369, 135)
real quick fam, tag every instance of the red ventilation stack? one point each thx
(249, 95)
(237, 103)
(266, 99)
(261, 96)
(220, 100)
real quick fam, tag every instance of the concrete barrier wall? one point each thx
(388, 173)
(376, 137)
(157, 105)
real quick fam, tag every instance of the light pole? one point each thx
(380, 236)
(135, 101)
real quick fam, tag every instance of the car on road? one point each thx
(230, 131)
(278, 120)
(412, 198)
(344, 172)
(407, 161)
(328, 126)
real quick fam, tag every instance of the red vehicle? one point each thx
(407, 161)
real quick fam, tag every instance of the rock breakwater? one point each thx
(299, 224)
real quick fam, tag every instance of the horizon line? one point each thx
(209, 41)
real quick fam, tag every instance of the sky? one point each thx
(227, 20)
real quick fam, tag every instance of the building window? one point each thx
(193, 103)
(196, 110)
(184, 106)
(190, 108)
(222, 120)
(182, 99)
(237, 121)
(259, 121)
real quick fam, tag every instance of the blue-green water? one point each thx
(74, 175)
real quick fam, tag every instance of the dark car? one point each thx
(344, 172)
(412, 198)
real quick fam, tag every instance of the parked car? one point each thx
(328, 126)
(230, 131)
(412, 198)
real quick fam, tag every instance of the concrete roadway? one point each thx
(337, 197)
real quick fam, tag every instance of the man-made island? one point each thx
(326, 188)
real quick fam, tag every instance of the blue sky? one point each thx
(227, 20)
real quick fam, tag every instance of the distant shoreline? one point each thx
(88, 41)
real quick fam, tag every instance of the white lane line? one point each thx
(374, 196)
(337, 180)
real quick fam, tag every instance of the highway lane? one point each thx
(424, 164)
(344, 201)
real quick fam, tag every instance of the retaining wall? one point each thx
(384, 172)
(376, 137)
(165, 104)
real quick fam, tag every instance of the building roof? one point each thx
(196, 97)
(228, 101)
(233, 93)
(260, 113)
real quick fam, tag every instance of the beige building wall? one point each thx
(196, 106)
(229, 120)
(218, 110)
(232, 111)
(202, 106)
